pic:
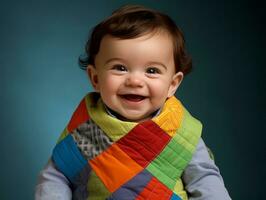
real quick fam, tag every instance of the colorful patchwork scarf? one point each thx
(106, 158)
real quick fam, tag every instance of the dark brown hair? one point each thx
(133, 21)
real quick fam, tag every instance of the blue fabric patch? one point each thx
(68, 158)
(131, 189)
(175, 197)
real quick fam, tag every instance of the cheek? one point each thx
(109, 83)
(159, 88)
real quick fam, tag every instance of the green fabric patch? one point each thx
(170, 163)
(168, 166)
(190, 129)
(211, 154)
(96, 189)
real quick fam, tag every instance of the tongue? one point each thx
(133, 97)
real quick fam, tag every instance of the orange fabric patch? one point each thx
(80, 116)
(155, 190)
(114, 167)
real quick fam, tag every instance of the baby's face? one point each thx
(135, 76)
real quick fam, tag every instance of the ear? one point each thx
(176, 81)
(93, 76)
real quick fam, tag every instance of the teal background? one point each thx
(41, 83)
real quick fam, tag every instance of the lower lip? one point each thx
(132, 100)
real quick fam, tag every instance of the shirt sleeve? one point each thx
(202, 178)
(52, 184)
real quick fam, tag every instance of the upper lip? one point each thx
(133, 94)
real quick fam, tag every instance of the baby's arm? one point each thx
(52, 184)
(202, 178)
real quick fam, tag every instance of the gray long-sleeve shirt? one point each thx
(202, 180)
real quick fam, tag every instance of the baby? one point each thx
(131, 138)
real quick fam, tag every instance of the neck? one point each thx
(118, 116)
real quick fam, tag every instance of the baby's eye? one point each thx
(153, 70)
(119, 67)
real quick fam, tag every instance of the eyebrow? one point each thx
(158, 63)
(149, 63)
(113, 59)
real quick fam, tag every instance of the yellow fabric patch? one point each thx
(63, 135)
(113, 127)
(171, 116)
(179, 190)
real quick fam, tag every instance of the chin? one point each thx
(133, 119)
(136, 118)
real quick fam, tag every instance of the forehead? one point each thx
(152, 47)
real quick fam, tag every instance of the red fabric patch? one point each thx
(155, 190)
(79, 116)
(144, 142)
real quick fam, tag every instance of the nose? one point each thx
(134, 80)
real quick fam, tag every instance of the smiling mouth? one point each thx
(133, 97)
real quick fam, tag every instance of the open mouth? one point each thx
(133, 97)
